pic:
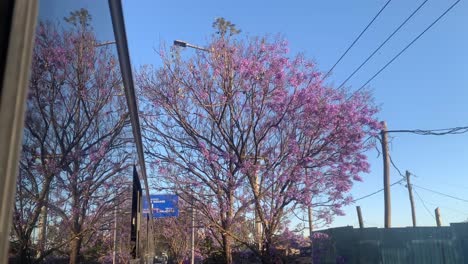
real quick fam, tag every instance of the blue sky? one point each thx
(425, 88)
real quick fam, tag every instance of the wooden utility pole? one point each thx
(359, 215)
(410, 191)
(311, 226)
(437, 215)
(386, 180)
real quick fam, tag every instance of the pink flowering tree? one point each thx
(75, 147)
(247, 129)
(174, 234)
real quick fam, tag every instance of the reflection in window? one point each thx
(77, 147)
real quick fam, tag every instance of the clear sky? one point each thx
(425, 88)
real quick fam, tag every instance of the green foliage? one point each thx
(79, 18)
(224, 26)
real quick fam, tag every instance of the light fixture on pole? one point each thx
(184, 44)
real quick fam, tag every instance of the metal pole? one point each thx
(410, 191)
(114, 253)
(138, 225)
(192, 244)
(148, 251)
(311, 234)
(118, 24)
(386, 180)
(258, 226)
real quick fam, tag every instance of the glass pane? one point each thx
(74, 190)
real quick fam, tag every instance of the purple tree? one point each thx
(75, 147)
(250, 129)
(174, 234)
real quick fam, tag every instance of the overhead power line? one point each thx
(442, 194)
(449, 208)
(422, 201)
(376, 192)
(407, 46)
(433, 132)
(358, 37)
(383, 43)
(394, 166)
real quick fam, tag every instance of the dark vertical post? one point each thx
(410, 191)
(147, 235)
(138, 224)
(386, 180)
(359, 215)
(136, 211)
(114, 251)
(192, 244)
(437, 215)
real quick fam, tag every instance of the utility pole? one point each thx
(192, 245)
(311, 233)
(258, 225)
(359, 215)
(138, 225)
(410, 191)
(114, 253)
(149, 250)
(438, 219)
(386, 180)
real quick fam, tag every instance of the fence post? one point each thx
(437, 215)
(359, 215)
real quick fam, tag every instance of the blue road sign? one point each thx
(164, 205)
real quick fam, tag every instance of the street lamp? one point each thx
(104, 43)
(184, 44)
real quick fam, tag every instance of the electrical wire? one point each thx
(420, 199)
(407, 46)
(383, 43)
(394, 166)
(433, 132)
(450, 209)
(298, 217)
(376, 192)
(439, 193)
(356, 40)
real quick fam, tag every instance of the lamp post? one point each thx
(184, 44)
(258, 228)
(104, 43)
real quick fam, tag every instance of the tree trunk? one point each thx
(227, 249)
(75, 247)
(269, 256)
(23, 256)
